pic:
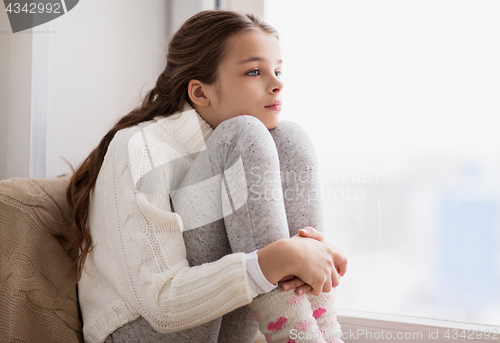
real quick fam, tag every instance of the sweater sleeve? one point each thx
(152, 274)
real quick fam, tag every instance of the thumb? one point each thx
(311, 232)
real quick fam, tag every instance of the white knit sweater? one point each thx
(138, 266)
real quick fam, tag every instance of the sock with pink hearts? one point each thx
(325, 312)
(286, 317)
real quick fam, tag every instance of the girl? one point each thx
(183, 216)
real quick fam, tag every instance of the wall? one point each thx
(15, 94)
(102, 54)
(250, 6)
(64, 83)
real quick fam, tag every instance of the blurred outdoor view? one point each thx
(402, 102)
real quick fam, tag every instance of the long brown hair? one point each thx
(194, 52)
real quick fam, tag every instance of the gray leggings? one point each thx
(249, 188)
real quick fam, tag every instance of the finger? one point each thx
(304, 232)
(335, 279)
(303, 289)
(315, 291)
(341, 271)
(292, 284)
(327, 287)
(317, 287)
(340, 262)
(311, 232)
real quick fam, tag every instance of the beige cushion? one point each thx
(38, 297)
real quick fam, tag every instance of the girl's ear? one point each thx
(198, 93)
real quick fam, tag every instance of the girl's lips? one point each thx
(274, 106)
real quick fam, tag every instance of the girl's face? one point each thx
(248, 81)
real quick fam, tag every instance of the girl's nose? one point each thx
(277, 86)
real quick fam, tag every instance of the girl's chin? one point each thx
(271, 124)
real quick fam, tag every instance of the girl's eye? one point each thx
(254, 72)
(278, 74)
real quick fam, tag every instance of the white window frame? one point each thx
(367, 327)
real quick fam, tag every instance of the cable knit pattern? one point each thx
(138, 266)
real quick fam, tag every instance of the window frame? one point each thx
(365, 327)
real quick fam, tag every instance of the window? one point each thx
(401, 101)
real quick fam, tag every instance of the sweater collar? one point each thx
(188, 129)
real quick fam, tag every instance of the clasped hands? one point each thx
(339, 266)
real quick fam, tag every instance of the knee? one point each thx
(245, 128)
(290, 130)
(244, 123)
(291, 136)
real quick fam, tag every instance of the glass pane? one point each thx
(401, 99)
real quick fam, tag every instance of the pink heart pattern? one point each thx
(278, 324)
(319, 312)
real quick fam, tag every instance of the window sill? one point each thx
(360, 327)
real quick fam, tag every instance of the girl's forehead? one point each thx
(251, 46)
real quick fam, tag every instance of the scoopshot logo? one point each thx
(24, 15)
